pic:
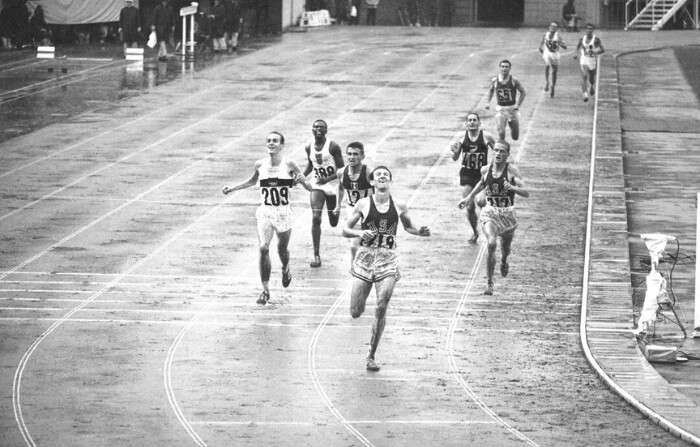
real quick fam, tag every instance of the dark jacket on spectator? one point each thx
(163, 21)
(129, 23)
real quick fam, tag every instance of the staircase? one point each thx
(653, 15)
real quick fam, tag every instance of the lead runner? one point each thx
(376, 261)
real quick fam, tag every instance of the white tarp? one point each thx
(75, 12)
(656, 284)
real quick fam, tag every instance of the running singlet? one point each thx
(323, 162)
(359, 188)
(505, 91)
(475, 155)
(587, 47)
(275, 186)
(495, 194)
(383, 225)
(551, 41)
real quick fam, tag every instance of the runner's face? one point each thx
(273, 143)
(500, 153)
(505, 68)
(472, 122)
(552, 28)
(589, 31)
(319, 129)
(382, 179)
(355, 157)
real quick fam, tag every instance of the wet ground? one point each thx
(38, 92)
(129, 281)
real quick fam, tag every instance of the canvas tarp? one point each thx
(75, 12)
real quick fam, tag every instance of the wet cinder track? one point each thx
(129, 282)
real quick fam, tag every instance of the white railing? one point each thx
(696, 332)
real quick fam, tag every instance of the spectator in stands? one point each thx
(569, 16)
(218, 26)
(233, 24)
(163, 26)
(372, 12)
(129, 25)
(354, 15)
(39, 29)
(202, 33)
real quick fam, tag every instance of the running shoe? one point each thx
(504, 268)
(264, 298)
(585, 97)
(592, 91)
(546, 87)
(551, 94)
(372, 365)
(316, 262)
(286, 277)
(489, 288)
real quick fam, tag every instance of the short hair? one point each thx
(503, 143)
(278, 133)
(554, 24)
(589, 25)
(505, 61)
(391, 177)
(357, 145)
(473, 113)
(320, 121)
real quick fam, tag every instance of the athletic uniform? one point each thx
(475, 157)
(274, 212)
(550, 52)
(377, 259)
(499, 202)
(588, 51)
(357, 189)
(505, 97)
(324, 166)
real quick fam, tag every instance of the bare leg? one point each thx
(317, 200)
(501, 126)
(265, 233)
(384, 289)
(506, 240)
(358, 296)
(491, 234)
(471, 214)
(546, 77)
(515, 129)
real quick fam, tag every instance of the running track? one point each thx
(127, 281)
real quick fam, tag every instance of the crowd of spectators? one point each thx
(217, 26)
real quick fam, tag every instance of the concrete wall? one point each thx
(536, 13)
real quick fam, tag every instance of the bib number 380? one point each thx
(275, 196)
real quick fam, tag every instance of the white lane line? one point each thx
(424, 314)
(255, 423)
(17, 382)
(132, 155)
(314, 340)
(458, 315)
(248, 324)
(61, 82)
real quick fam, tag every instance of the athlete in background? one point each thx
(355, 180)
(324, 159)
(588, 49)
(549, 47)
(474, 146)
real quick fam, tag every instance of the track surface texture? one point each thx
(128, 281)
